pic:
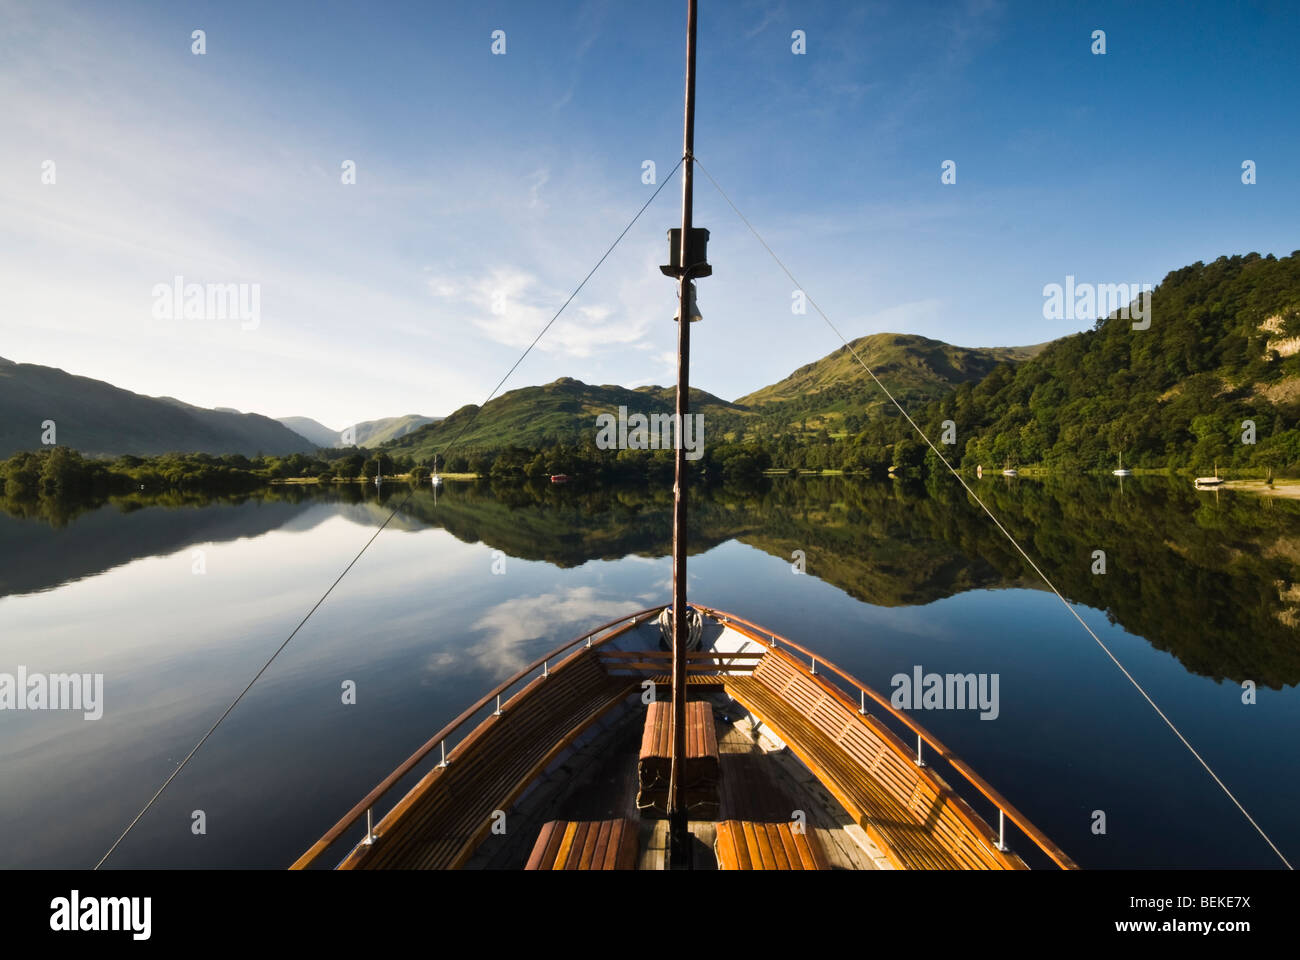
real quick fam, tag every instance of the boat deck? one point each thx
(757, 783)
(791, 747)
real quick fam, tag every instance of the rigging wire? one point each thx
(380, 529)
(1051, 586)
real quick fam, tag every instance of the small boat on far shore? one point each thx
(1205, 482)
(559, 478)
(1121, 472)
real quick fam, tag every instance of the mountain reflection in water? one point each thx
(1199, 590)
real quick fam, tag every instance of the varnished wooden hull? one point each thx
(906, 816)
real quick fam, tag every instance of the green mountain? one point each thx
(836, 394)
(97, 418)
(565, 410)
(833, 392)
(1214, 378)
(1218, 367)
(369, 433)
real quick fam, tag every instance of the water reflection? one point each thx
(897, 575)
(1212, 580)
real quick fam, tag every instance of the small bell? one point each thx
(692, 308)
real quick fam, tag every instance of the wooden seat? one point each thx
(908, 810)
(701, 739)
(572, 845)
(745, 845)
(441, 821)
(699, 768)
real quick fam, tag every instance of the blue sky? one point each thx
(480, 175)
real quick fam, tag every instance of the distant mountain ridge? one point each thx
(828, 391)
(922, 359)
(835, 392)
(565, 409)
(100, 419)
(368, 433)
(1214, 379)
(832, 393)
(313, 430)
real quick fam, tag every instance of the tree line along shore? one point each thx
(63, 472)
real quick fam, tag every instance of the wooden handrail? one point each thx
(352, 816)
(692, 667)
(764, 636)
(690, 655)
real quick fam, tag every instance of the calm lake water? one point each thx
(1201, 593)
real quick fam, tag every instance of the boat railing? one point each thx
(701, 664)
(780, 644)
(590, 640)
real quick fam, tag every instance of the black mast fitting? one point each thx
(697, 254)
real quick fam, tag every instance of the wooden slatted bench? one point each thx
(699, 768)
(445, 816)
(574, 845)
(745, 845)
(908, 810)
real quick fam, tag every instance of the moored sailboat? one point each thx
(1209, 482)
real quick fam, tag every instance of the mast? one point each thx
(679, 835)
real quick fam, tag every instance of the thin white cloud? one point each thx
(538, 180)
(512, 306)
(508, 628)
(770, 16)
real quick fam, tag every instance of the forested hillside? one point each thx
(1221, 353)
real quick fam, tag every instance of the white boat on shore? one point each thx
(1209, 482)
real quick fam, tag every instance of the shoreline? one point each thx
(1284, 489)
(392, 478)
